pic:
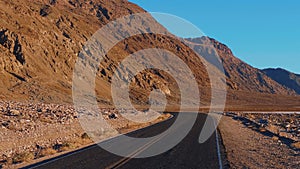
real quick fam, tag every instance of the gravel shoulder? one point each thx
(249, 148)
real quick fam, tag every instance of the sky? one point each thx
(263, 33)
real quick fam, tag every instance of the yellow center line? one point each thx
(138, 151)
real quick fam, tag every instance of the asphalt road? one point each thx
(188, 154)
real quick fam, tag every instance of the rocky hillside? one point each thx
(285, 78)
(240, 75)
(39, 45)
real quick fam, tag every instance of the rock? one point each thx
(263, 122)
(275, 138)
(14, 113)
(5, 124)
(45, 10)
(52, 2)
(113, 116)
(22, 121)
(85, 136)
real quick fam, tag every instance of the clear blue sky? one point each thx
(263, 33)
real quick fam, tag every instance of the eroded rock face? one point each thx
(10, 41)
(42, 40)
(46, 37)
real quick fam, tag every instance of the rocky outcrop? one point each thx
(10, 41)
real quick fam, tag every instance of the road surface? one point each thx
(188, 154)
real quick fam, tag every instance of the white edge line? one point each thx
(269, 113)
(218, 147)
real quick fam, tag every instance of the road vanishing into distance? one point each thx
(188, 154)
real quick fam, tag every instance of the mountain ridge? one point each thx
(284, 77)
(240, 75)
(39, 46)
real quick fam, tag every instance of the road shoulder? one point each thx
(246, 148)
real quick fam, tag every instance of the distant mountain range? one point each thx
(285, 78)
(40, 41)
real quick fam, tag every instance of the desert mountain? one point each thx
(285, 78)
(240, 75)
(40, 44)
(41, 40)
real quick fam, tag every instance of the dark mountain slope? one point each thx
(285, 78)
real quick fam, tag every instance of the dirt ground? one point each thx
(248, 148)
(32, 131)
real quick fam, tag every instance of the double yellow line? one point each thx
(123, 161)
